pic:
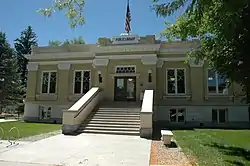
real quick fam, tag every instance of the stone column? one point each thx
(150, 66)
(32, 82)
(63, 82)
(101, 68)
(160, 80)
(197, 80)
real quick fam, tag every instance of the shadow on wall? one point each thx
(232, 151)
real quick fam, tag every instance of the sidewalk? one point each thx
(84, 149)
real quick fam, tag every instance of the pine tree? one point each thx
(10, 84)
(23, 46)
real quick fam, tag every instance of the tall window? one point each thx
(81, 82)
(176, 81)
(177, 114)
(216, 83)
(49, 82)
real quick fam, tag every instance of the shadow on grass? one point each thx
(237, 163)
(233, 151)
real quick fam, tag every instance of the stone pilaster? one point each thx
(150, 63)
(63, 82)
(32, 82)
(197, 73)
(101, 68)
(160, 80)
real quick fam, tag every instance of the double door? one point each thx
(125, 89)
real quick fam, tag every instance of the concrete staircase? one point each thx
(115, 119)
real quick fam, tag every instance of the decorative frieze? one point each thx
(32, 66)
(194, 63)
(149, 60)
(160, 63)
(64, 66)
(100, 62)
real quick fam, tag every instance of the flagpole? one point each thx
(128, 19)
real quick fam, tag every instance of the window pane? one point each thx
(171, 81)
(211, 81)
(221, 83)
(45, 82)
(48, 113)
(214, 115)
(222, 115)
(52, 87)
(86, 81)
(41, 112)
(172, 115)
(180, 81)
(78, 82)
(181, 114)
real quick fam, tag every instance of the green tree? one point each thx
(73, 10)
(55, 43)
(78, 40)
(222, 27)
(11, 88)
(23, 46)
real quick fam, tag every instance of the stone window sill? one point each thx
(178, 96)
(218, 97)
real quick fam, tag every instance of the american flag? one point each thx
(128, 19)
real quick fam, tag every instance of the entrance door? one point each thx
(125, 89)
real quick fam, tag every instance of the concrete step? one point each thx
(117, 113)
(114, 117)
(120, 109)
(110, 132)
(109, 128)
(112, 120)
(110, 125)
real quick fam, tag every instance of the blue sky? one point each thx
(104, 18)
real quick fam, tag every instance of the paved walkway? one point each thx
(7, 120)
(84, 149)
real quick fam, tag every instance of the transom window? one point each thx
(177, 114)
(125, 69)
(176, 81)
(49, 82)
(81, 81)
(216, 83)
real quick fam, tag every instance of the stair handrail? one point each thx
(87, 102)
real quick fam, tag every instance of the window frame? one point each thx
(216, 81)
(45, 109)
(176, 88)
(218, 115)
(177, 111)
(82, 71)
(48, 89)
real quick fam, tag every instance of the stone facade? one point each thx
(185, 91)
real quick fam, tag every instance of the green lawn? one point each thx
(216, 147)
(28, 129)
